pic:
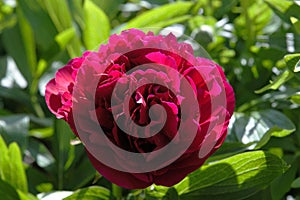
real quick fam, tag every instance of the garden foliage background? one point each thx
(256, 41)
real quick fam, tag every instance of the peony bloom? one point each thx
(145, 108)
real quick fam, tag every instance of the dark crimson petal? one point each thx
(123, 179)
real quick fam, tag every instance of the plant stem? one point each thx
(34, 100)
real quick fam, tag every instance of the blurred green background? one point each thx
(255, 41)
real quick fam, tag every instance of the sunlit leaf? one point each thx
(259, 126)
(3, 158)
(40, 22)
(279, 81)
(44, 187)
(284, 9)
(26, 196)
(296, 98)
(237, 177)
(255, 16)
(160, 14)
(60, 15)
(18, 176)
(296, 23)
(156, 192)
(292, 61)
(97, 26)
(11, 166)
(59, 12)
(64, 37)
(281, 6)
(90, 193)
(41, 132)
(171, 21)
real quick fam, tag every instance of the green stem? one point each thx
(34, 100)
(246, 106)
(117, 191)
(37, 107)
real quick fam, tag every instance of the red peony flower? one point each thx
(145, 108)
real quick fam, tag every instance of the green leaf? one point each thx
(296, 98)
(237, 177)
(11, 166)
(296, 23)
(227, 5)
(3, 147)
(64, 37)
(160, 14)
(97, 27)
(228, 149)
(41, 132)
(63, 151)
(7, 192)
(3, 158)
(111, 7)
(76, 9)
(8, 20)
(258, 127)
(281, 185)
(36, 177)
(40, 153)
(90, 193)
(3, 64)
(18, 96)
(81, 173)
(263, 194)
(296, 183)
(18, 176)
(279, 81)
(28, 40)
(44, 187)
(254, 17)
(26, 196)
(297, 67)
(15, 47)
(281, 6)
(171, 194)
(15, 128)
(284, 9)
(40, 22)
(169, 22)
(155, 192)
(292, 61)
(60, 14)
